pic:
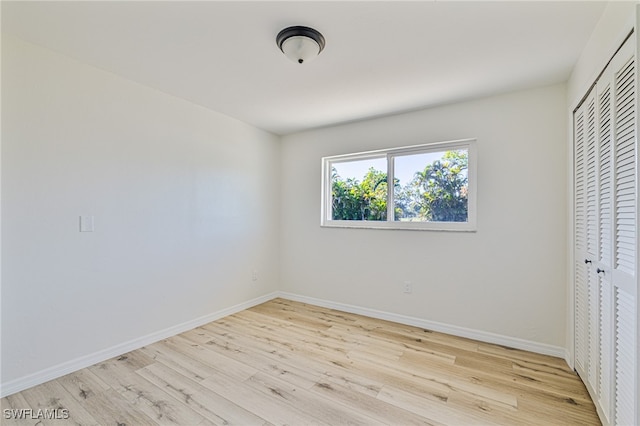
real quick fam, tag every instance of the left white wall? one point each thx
(185, 203)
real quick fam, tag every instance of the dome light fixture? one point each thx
(300, 44)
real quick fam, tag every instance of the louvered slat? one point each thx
(625, 311)
(606, 348)
(591, 178)
(604, 119)
(593, 370)
(625, 182)
(579, 193)
(581, 343)
(581, 317)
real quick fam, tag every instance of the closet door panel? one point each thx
(605, 207)
(581, 262)
(623, 72)
(592, 242)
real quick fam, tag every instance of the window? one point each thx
(430, 186)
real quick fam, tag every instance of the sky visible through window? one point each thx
(406, 166)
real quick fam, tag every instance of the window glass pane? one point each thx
(434, 188)
(359, 189)
(431, 187)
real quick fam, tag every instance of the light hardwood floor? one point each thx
(285, 362)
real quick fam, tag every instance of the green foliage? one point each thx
(438, 193)
(442, 188)
(355, 200)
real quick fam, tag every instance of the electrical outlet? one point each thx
(254, 275)
(86, 224)
(407, 287)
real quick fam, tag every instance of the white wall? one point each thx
(185, 202)
(508, 278)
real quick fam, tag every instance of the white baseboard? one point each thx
(568, 357)
(483, 336)
(60, 370)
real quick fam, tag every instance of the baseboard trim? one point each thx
(60, 370)
(64, 368)
(568, 357)
(484, 336)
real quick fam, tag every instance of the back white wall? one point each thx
(185, 202)
(507, 278)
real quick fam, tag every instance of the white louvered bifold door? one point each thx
(592, 239)
(606, 242)
(624, 275)
(593, 293)
(581, 270)
(604, 387)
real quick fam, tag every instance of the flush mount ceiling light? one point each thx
(300, 44)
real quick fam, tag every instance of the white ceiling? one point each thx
(381, 57)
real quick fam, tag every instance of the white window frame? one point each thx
(469, 226)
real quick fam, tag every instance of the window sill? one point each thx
(405, 226)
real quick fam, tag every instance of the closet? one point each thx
(606, 240)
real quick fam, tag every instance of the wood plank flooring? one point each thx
(285, 362)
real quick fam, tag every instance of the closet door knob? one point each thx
(587, 261)
(600, 270)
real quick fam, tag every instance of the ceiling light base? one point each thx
(300, 44)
